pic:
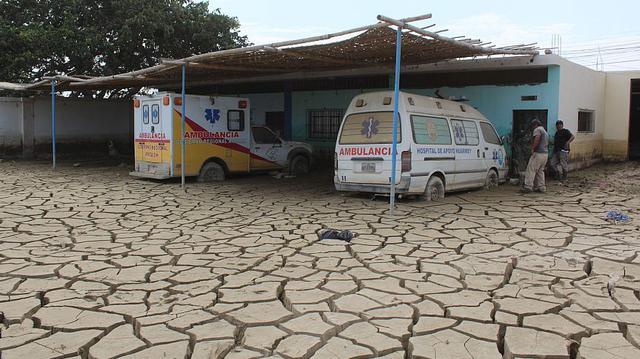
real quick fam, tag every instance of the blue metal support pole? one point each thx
(53, 123)
(396, 100)
(288, 111)
(184, 108)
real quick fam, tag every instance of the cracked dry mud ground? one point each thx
(94, 264)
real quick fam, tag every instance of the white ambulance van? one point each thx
(218, 135)
(442, 146)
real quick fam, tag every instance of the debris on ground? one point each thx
(281, 175)
(617, 216)
(111, 148)
(345, 235)
(611, 283)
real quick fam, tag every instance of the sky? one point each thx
(599, 34)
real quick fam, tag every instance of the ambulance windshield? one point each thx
(369, 128)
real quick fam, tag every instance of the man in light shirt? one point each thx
(534, 177)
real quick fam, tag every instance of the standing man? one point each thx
(534, 177)
(560, 159)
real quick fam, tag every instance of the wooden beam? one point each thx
(201, 65)
(517, 50)
(321, 58)
(247, 68)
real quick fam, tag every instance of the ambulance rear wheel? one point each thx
(211, 172)
(299, 166)
(435, 189)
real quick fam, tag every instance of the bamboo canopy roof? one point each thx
(370, 46)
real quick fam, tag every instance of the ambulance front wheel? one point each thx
(434, 190)
(211, 172)
(492, 180)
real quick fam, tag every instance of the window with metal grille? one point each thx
(324, 123)
(586, 121)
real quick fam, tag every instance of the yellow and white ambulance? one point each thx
(219, 139)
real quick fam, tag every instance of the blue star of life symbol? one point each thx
(459, 132)
(212, 115)
(155, 112)
(370, 127)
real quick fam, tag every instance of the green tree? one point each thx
(105, 37)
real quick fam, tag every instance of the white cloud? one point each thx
(261, 34)
(502, 31)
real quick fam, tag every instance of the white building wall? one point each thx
(617, 99)
(10, 125)
(263, 103)
(83, 126)
(582, 89)
(83, 120)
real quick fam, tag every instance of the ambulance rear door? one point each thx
(152, 137)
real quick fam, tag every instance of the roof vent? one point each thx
(386, 101)
(360, 103)
(411, 101)
(439, 105)
(462, 108)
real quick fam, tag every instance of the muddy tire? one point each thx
(211, 172)
(435, 189)
(492, 180)
(299, 166)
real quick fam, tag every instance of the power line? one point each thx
(622, 37)
(605, 53)
(629, 45)
(617, 62)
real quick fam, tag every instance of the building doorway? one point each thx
(275, 121)
(521, 137)
(634, 121)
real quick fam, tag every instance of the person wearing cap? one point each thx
(560, 158)
(534, 177)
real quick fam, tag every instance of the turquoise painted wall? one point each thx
(498, 102)
(314, 100)
(495, 102)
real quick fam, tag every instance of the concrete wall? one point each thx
(10, 126)
(263, 103)
(582, 88)
(617, 105)
(83, 126)
(495, 102)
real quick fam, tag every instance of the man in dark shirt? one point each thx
(561, 148)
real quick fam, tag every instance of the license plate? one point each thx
(369, 167)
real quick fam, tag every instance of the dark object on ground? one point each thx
(113, 151)
(346, 235)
